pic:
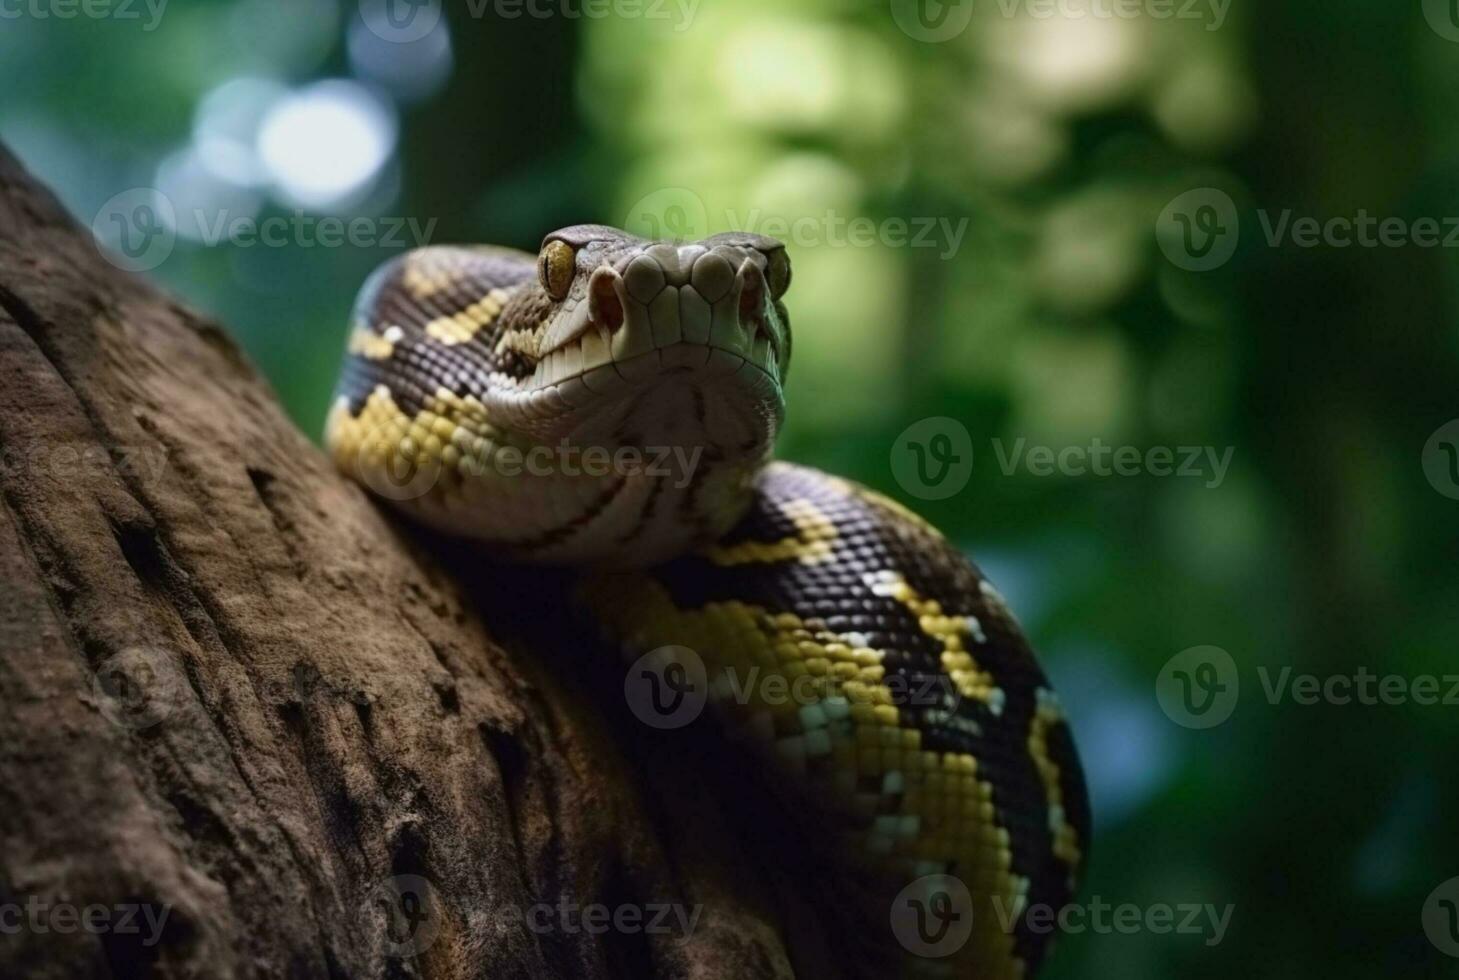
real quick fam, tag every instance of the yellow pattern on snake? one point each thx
(610, 405)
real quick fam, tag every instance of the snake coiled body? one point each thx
(835, 636)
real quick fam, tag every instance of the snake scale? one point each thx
(610, 404)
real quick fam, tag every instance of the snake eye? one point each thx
(778, 273)
(555, 268)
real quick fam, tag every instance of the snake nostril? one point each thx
(752, 296)
(605, 300)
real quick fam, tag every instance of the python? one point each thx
(606, 339)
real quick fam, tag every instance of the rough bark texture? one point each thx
(231, 690)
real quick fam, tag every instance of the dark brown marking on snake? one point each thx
(646, 513)
(561, 533)
(690, 506)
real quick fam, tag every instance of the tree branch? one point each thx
(237, 701)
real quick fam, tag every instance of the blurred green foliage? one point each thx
(1044, 148)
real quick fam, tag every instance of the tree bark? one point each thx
(243, 716)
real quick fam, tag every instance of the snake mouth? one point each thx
(665, 310)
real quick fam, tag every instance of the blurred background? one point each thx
(990, 214)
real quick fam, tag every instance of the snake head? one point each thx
(501, 379)
(625, 314)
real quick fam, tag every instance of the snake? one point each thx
(609, 406)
